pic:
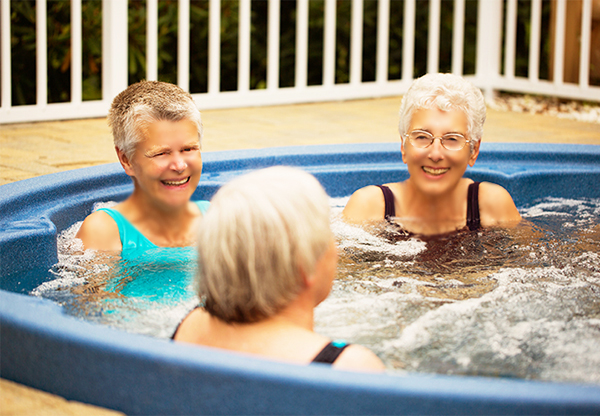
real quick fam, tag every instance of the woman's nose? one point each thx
(436, 150)
(178, 163)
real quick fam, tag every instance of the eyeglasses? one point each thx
(451, 141)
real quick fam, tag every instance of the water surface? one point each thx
(523, 302)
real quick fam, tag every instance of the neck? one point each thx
(166, 227)
(432, 214)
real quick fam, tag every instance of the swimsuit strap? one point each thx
(131, 237)
(473, 220)
(390, 207)
(203, 206)
(330, 352)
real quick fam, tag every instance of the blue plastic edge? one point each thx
(43, 348)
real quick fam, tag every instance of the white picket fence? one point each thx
(488, 74)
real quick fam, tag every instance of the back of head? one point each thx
(146, 102)
(444, 92)
(262, 231)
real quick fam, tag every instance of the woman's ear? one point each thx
(474, 153)
(125, 162)
(402, 149)
(307, 279)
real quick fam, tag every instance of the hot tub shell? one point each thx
(44, 348)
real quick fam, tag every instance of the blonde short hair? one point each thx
(146, 102)
(262, 231)
(445, 92)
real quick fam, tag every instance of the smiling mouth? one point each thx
(177, 183)
(435, 171)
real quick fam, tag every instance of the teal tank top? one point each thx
(131, 238)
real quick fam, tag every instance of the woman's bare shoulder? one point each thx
(188, 329)
(100, 232)
(358, 358)
(496, 205)
(365, 204)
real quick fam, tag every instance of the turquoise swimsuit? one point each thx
(145, 270)
(131, 238)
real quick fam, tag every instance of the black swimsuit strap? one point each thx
(473, 220)
(390, 207)
(329, 354)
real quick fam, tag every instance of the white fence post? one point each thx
(41, 46)
(408, 40)
(559, 41)
(510, 45)
(383, 41)
(534, 44)
(183, 44)
(433, 37)
(489, 38)
(301, 75)
(152, 40)
(356, 42)
(244, 45)
(458, 37)
(329, 22)
(76, 54)
(586, 29)
(5, 99)
(273, 45)
(214, 47)
(114, 48)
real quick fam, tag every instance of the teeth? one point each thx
(435, 171)
(176, 183)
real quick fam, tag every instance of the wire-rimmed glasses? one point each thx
(450, 141)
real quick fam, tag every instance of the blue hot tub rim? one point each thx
(46, 349)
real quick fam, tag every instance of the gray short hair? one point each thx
(146, 102)
(262, 231)
(445, 92)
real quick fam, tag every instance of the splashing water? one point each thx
(514, 303)
(523, 302)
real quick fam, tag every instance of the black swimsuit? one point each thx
(473, 221)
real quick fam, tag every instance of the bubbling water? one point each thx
(521, 302)
(146, 294)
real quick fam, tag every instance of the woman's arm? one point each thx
(496, 206)
(366, 204)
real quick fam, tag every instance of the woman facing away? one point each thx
(157, 130)
(441, 125)
(266, 258)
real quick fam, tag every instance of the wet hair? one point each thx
(262, 231)
(146, 102)
(444, 92)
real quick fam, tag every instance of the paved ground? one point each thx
(33, 149)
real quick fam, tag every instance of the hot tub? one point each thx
(44, 348)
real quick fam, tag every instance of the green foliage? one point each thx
(23, 38)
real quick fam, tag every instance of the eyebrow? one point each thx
(160, 149)
(448, 132)
(156, 150)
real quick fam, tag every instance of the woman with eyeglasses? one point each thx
(441, 124)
